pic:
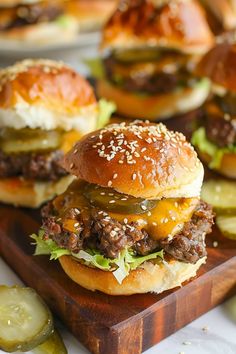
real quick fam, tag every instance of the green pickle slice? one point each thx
(227, 225)
(26, 140)
(221, 194)
(108, 199)
(136, 55)
(25, 320)
(53, 345)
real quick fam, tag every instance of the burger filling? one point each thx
(115, 232)
(34, 153)
(150, 71)
(23, 15)
(217, 135)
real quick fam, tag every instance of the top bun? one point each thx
(179, 24)
(45, 94)
(140, 159)
(219, 64)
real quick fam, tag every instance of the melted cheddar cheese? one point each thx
(164, 220)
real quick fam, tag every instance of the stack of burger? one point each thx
(39, 21)
(150, 48)
(45, 107)
(132, 221)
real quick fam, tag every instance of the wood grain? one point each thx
(117, 325)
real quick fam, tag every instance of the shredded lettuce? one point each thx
(63, 21)
(120, 267)
(199, 139)
(106, 108)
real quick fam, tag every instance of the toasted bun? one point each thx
(150, 277)
(45, 94)
(141, 159)
(179, 24)
(30, 194)
(219, 65)
(228, 163)
(91, 14)
(224, 10)
(153, 107)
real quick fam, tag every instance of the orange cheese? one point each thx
(69, 139)
(164, 220)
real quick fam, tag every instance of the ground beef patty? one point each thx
(220, 131)
(24, 15)
(38, 166)
(98, 230)
(158, 83)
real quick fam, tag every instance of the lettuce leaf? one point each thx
(105, 110)
(199, 139)
(63, 21)
(120, 267)
(96, 68)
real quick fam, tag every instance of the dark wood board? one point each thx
(117, 325)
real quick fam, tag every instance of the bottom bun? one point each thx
(148, 278)
(154, 107)
(43, 33)
(227, 166)
(20, 192)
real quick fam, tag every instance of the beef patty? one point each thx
(38, 166)
(144, 82)
(98, 230)
(23, 15)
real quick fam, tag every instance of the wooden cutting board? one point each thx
(117, 325)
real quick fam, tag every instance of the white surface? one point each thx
(220, 338)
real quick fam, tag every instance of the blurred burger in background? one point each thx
(91, 15)
(150, 48)
(45, 107)
(215, 140)
(40, 21)
(221, 15)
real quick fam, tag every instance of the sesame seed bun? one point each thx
(153, 107)
(179, 24)
(30, 194)
(140, 159)
(147, 278)
(219, 65)
(46, 94)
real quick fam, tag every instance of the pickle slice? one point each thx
(25, 140)
(134, 55)
(227, 225)
(109, 199)
(25, 320)
(53, 345)
(221, 194)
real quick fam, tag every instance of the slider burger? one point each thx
(132, 221)
(40, 21)
(215, 140)
(45, 107)
(150, 48)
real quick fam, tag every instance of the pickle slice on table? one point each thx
(53, 345)
(25, 320)
(221, 194)
(227, 225)
(26, 140)
(109, 199)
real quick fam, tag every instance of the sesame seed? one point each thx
(134, 176)
(102, 193)
(109, 183)
(187, 343)
(123, 199)
(154, 224)
(115, 175)
(149, 213)
(125, 220)
(112, 201)
(76, 224)
(215, 244)
(143, 207)
(72, 165)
